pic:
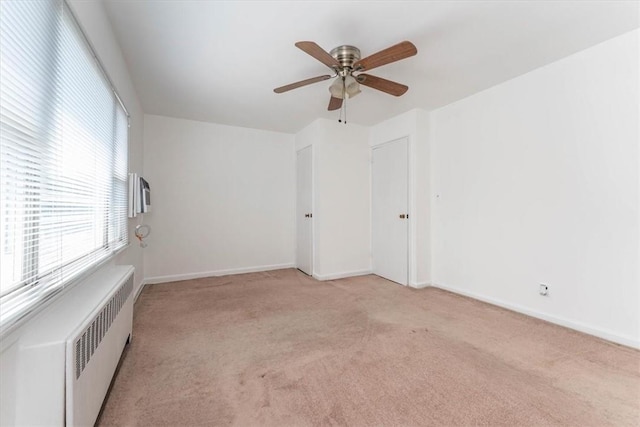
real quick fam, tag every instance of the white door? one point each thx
(390, 218)
(304, 215)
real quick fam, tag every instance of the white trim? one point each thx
(141, 286)
(412, 243)
(341, 275)
(101, 67)
(419, 285)
(581, 327)
(214, 273)
(295, 207)
(314, 240)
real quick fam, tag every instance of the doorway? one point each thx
(304, 214)
(390, 210)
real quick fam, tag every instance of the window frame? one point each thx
(97, 257)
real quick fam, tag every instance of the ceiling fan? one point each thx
(345, 61)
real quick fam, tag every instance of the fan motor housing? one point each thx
(346, 55)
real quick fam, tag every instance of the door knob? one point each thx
(306, 215)
(402, 216)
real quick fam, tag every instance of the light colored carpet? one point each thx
(279, 348)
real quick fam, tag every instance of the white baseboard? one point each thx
(139, 291)
(600, 333)
(342, 275)
(419, 285)
(214, 273)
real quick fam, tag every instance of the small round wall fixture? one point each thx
(142, 231)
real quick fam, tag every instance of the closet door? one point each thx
(304, 214)
(390, 213)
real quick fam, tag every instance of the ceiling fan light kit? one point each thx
(344, 61)
(344, 87)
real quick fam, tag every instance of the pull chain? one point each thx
(344, 104)
(343, 107)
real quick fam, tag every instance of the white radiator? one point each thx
(69, 354)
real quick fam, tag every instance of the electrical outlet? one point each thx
(544, 290)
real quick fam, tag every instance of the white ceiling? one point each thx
(219, 61)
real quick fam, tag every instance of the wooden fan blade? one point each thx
(301, 83)
(391, 54)
(334, 103)
(387, 86)
(319, 53)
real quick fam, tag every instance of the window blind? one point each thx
(63, 156)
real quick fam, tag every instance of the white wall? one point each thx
(415, 125)
(311, 135)
(536, 181)
(222, 199)
(341, 197)
(94, 22)
(342, 201)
